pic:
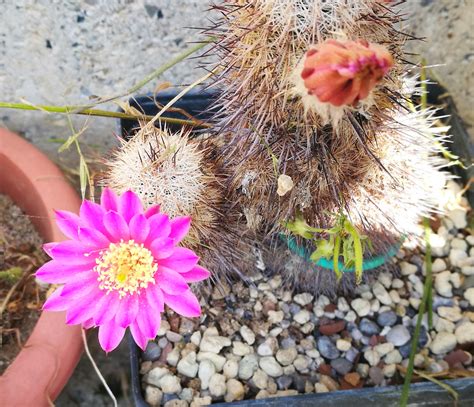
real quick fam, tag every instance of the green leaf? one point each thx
(335, 259)
(324, 248)
(83, 176)
(358, 252)
(299, 227)
(12, 275)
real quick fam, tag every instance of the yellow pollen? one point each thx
(125, 267)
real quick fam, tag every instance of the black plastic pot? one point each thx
(197, 104)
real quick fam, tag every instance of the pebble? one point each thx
(217, 360)
(286, 356)
(268, 347)
(326, 348)
(372, 357)
(201, 401)
(154, 375)
(301, 363)
(343, 345)
(376, 375)
(442, 284)
(284, 382)
(381, 293)
(469, 296)
(234, 391)
(247, 366)
(302, 316)
(443, 342)
(153, 396)
(384, 348)
(173, 357)
(457, 257)
(217, 385)
(398, 335)
(173, 337)
(361, 306)
(170, 384)
(213, 343)
(231, 369)
(303, 299)
(260, 379)
(152, 352)
(247, 334)
(241, 349)
(320, 388)
(452, 314)
(188, 366)
(393, 357)
(274, 317)
(205, 372)
(387, 318)
(341, 366)
(465, 333)
(270, 366)
(458, 217)
(368, 327)
(442, 324)
(196, 338)
(176, 403)
(438, 265)
(407, 268)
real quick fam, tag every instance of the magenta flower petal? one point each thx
(180, 228)
(182, 260)
(70, 251)
(82, 309)
(54, 272)
(197, 273)
(129, 205)
(109, 200)
(170, 281)
(106, 308)
(162, 248)
(88, 324)
(116, 226)
(55, 302)
(93, 238)
(80, 288)
(160, 227)
(185, 304)
(149, 324)
(155, 298)
(140, 339)
(92, 214)
(152, 210)
(139, 228)
(110, 335)
(68, 223)
(127, 312)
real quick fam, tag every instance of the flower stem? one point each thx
(75, 109)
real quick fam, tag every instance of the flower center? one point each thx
(125, 267)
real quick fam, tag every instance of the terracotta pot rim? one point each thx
(47, 360)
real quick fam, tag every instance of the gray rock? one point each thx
(152, 352)
(284, 382)
(270, 366)
(387, 318)
(398, 335)
(341, 366)
(369, 327)
(247, 366)
(326, 348)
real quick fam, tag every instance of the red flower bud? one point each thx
(342, 73)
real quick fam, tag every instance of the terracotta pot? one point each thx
(44, 365)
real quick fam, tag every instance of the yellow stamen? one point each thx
(125, 267)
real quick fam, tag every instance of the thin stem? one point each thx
(421, 311)
(73, 109)
(96, 369)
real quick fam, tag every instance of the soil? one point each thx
(21, 297)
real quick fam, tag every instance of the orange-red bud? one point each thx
(342, 73)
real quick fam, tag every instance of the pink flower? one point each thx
(342, 73)
(119, 268)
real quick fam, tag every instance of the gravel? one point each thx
(263, 341)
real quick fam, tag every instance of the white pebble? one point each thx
(393, 357)
(188, 366)
(450, 313)
(407, 268)
(213, 343)
(274, 317)
(442, 284)
(372, 357)
(443, 325)
(241, 349)
(303, 299)
(247, 334)
(231, 369)
(270, 366)
(217, 385)
(343, 345)
(458, 217)
(206, 371)
(286, 356)
(260, 379)
(153, 396)
(217, 360)
(443, 342)
(196, 338)
(465, 333)
(384, 348)
(457, 256)
(235, 391)
(170, 384)
(381, 293)
(302, 316)
(361, 307)
(469, 296)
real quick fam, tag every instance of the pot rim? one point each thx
(51, 353)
